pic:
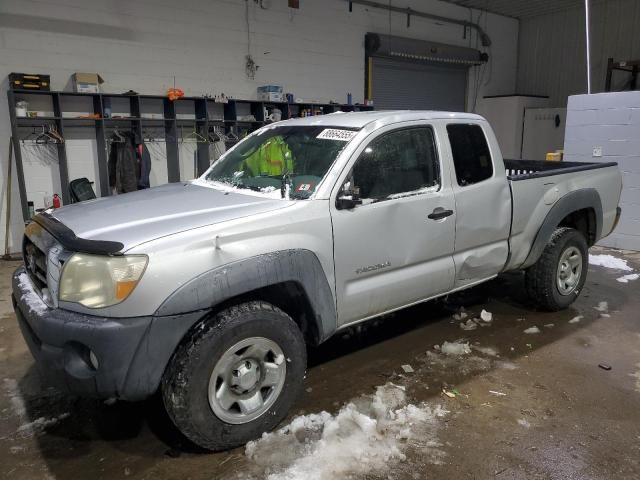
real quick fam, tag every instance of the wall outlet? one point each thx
(597, 151)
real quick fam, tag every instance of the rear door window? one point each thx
(471, 156)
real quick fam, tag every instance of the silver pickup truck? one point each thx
(210, 290)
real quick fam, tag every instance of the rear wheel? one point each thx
(556, 279)
(236, 376)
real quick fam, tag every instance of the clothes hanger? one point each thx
(55, 135)
(193, 137)
(232, 135)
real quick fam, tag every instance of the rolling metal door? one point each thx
(400, 84)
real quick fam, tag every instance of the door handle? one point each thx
(439, 213)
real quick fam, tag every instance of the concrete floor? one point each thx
(561, 416)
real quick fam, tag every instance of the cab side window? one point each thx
(398, 163)
(471, 156)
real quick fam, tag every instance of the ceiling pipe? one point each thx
(484, 38)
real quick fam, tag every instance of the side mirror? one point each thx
(348, 199)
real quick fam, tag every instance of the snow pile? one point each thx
(609, 261)
(455, 348)
(532, 330)
(30, 297)
(576, 319)
(627, 278)
(486, 316)
(367, 436)
(460, 316)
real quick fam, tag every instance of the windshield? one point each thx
(284, 162)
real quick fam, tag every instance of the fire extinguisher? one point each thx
(56, 201)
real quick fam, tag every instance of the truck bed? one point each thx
(525, 169)
(537, 185)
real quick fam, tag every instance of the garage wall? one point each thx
(317, 52)
(551, 48)
(606, 128)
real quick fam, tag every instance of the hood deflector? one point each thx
(70, 241)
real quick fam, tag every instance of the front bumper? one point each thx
(94, 356)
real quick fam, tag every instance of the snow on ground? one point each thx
(491, 352)
(532, 330)
(603, 307)
(39, 425)
(636, 375)
(609, 261)
(460, 315)
(524, 423)
(469, 325)
(17, 402)
(455, 348)
(486, 316)
(370, 435)
(506, 365)
(627, 278)
(576, 319)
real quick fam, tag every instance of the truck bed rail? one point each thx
(525, 169)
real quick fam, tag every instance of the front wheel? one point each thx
(556, 279)
(236, 376)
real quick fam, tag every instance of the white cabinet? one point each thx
(543, 132)
(506, 116)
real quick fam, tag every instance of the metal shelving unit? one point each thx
(203, 110)
(630, 66)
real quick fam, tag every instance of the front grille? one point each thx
(35, 262)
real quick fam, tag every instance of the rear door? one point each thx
(388, 251)
(483, 203)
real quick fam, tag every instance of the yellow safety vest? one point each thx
(272, 158)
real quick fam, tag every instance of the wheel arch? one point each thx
(292, 280)
(580, 209)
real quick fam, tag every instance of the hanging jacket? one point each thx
(272, 158)
(144, 166)
(123, 164)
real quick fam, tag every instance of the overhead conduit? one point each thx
(409, 12)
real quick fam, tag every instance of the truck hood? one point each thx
(137, 217)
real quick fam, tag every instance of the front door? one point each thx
(396, 247)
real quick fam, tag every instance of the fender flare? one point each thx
(213, 287)
(571, 202)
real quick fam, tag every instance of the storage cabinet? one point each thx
(188, 119)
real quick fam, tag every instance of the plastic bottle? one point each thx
(56, 201)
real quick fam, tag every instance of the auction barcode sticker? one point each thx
(336, 134)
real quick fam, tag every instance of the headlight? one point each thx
(97, 281)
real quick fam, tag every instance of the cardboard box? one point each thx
(270, 93)
(86, 82)
(270, 97)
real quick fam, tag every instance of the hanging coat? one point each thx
(144, 164)
(123, 165)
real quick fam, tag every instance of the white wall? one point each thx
(317, 52)
(552, 58)
(606, 128)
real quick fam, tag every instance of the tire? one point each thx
(198, 375)
(543, 280)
